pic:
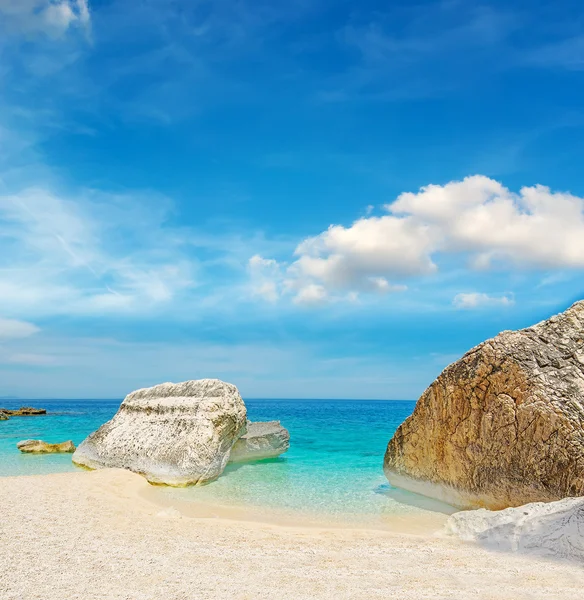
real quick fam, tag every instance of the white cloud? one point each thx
(268, 290)
(51, 17)
(14, 329)
(93, 254)
(33, 360)
(311, 295)
(477, 220)
(258, 264)
(534, 228)
(266, 277)
(350, 257)
(473, 300)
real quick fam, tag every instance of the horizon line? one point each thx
(19, 399)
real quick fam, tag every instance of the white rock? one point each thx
(542, 528)
(174, 434)
(264, 439)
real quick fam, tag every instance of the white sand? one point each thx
(99, 535)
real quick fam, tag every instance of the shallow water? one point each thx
(333, 467)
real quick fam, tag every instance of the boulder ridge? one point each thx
(504, 425)
(173, 433)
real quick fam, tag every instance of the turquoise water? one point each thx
(334, 465)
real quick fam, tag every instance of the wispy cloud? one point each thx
(14, 329)
(49, 17)
(563, 53)
(262, 369)
(94, 253)
(473, 300)
(397, 53)
(30, 360)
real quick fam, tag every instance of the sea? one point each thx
(334, 466)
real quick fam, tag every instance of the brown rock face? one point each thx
(502, 426)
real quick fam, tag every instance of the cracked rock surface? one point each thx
(173, 433)
(502, 426)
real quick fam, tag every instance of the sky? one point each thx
(309, 199)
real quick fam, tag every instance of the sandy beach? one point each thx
(104, 535)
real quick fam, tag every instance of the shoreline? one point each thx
(425, 522)
(421, 522)
(99, 535)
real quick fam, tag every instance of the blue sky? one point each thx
(308, 199)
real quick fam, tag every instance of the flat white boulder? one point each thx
(174, 433)
(553, 529)
(263, 439)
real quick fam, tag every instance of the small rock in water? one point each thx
(40, 447)
(264, 439)
(23, 411)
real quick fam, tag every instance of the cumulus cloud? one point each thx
(14, 329)
(534, 228)
(477, 220)
(473, 300)
(357, 256)
(51, 17)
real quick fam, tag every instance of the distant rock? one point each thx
(174, 434)
(502, 426)
(266, 439)
(24, 411)
(40, 447)
(554, 529)
(3, 416)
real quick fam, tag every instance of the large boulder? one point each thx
(502, 426)
(40, 447)
(554, 529)
(3, 415)
(174, 434)
(262, 440)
